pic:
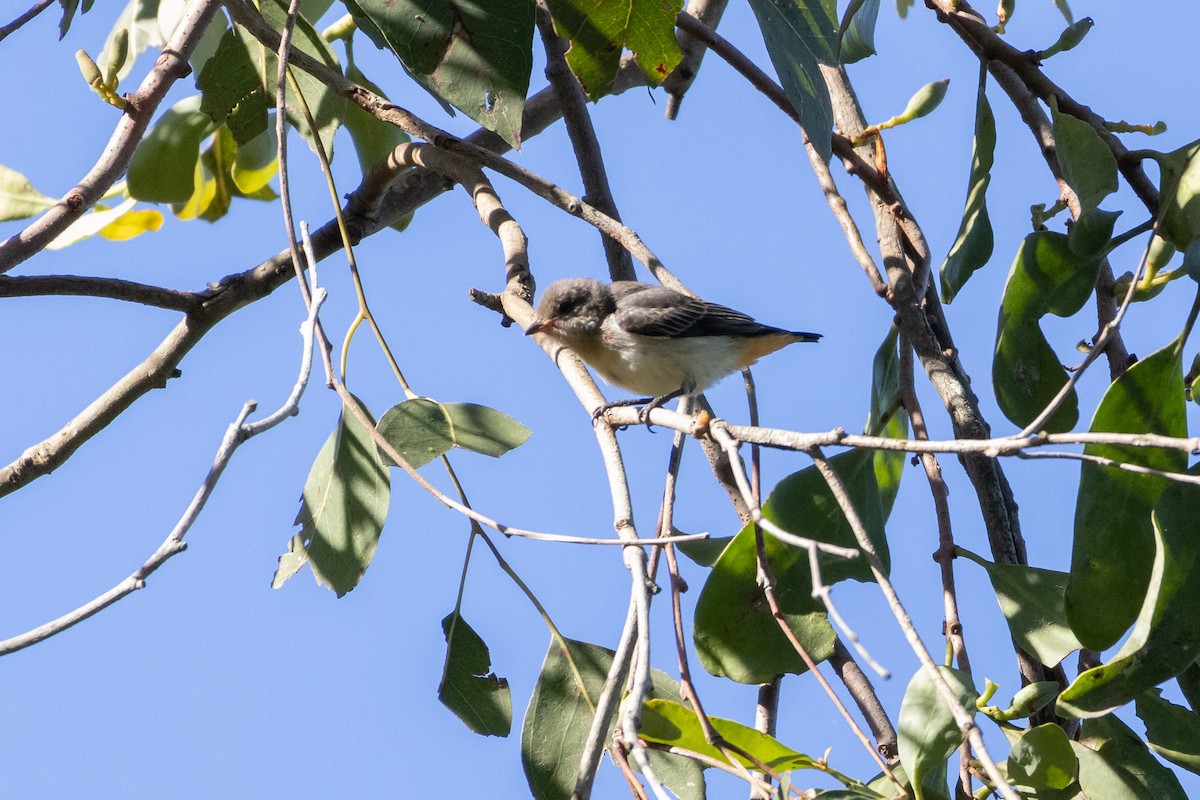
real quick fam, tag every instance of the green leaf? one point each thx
(1189, 684)
(1173, 731)
(560, 713)
(671, 724)
(232, 88)
(342, 510)
(705, 552)
(1087, 163)
(598, 32)
(927, 731)
(373, 138)
(120, 222)
(419, 429)
(1179, 188)
(1113, 548)
(469, 688)
(1166, 637)
(1120, 746)
(885, 389)
(1042, 759)
(476, 56)
(18, 198)
(327, 107)
(256, 162)
(1101, 779)
(1031, 599)
(856, 41)
(484, 430)
(163, 168)
(973, 245)
(800, 36)
(735, 634)
(1048, 276)
(423, 429)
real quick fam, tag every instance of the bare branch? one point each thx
(16, 24)
(111, 288)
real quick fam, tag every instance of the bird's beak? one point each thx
(540, 326)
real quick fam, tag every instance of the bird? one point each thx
(652, 340)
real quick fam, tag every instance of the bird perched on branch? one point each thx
(653, 340)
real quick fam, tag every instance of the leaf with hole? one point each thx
(469, 688)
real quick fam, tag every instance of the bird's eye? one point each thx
(567, 305)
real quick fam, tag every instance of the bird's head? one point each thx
(573, 307)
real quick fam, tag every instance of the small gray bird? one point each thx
(653, 340)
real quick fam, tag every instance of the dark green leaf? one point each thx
(973, 245)
(1120, 746)
(1180, 192)
(671, 724)
(598, 32)
(69, 8)
(1173, 731)
(1114, 541)
(1166, 637)
(1048, 276)
(885, 389)
(927, 731)
(342, 510)
(475, 56)
(1189, 684)
(560, 713)
(1088, 165)
(327, 108)
(484, 430)
(419, 429)
(1101, 779)
(1031, 599)
(1042, 759)
(469, 688)
(735, 634)
(232, 89)
(857, 40)
(163, 168)
(800, 37)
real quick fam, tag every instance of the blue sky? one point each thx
(210, 682)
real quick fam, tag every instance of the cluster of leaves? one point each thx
(1136, 557)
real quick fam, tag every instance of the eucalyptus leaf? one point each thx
(469, 688)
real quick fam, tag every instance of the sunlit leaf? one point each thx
(18, 198)
(118, 223)
(1032, 600)
(927, 731)
(599, 32)
(469, 688)
(1113, 548)
(419, 429)
(163, 168)
(560, 713)
(669, 723)
(799, 38)
(973, 245)
(484, 430)
(342, 510)
(1180, 192)
(256, 162)
(1042, 758)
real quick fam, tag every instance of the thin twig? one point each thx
(962, 718)
(16, 24)
(237, 433)
(110, 288)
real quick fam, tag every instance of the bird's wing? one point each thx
(659, 311)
